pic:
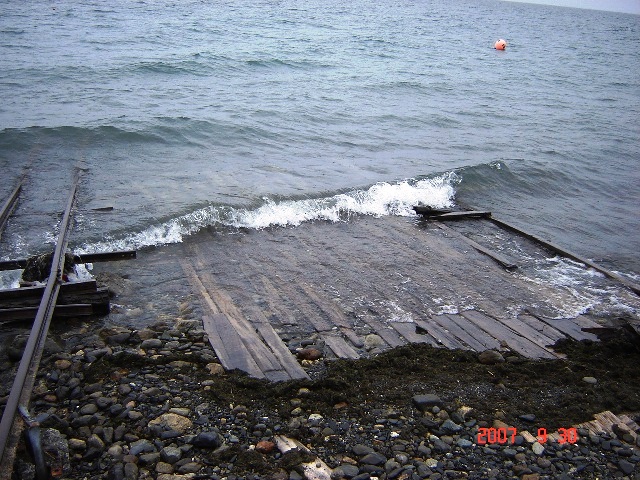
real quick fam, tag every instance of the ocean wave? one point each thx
(17, 138)
(379, 200)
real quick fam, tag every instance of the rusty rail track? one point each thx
(9, 205)
(11, 425)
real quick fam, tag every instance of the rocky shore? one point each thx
(120, 403)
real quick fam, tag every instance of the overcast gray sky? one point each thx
(628, 6)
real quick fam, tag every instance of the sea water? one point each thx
(192, 114)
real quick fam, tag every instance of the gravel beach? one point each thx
(119, 403)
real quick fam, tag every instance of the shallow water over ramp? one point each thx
(359, 287)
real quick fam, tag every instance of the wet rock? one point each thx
(372, 341)
(141, 446)
(426, 401)
(373, 459)
(309, 354)
(171, 454)
(265, 447)
(215, 369)
(626, 467)
(210, 439)
(173, 421)
(361, 450)
(537, 448)
(345, 471)
(490, 357)
(151, 343)
(449, 426)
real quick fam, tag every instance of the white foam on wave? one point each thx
(580, 290)
(379, 200)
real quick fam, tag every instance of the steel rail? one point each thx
(9, 205)
(11, 424)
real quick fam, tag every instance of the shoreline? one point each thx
(155, 403)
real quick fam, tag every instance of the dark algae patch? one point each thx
(553, 390)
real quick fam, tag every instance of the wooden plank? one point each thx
(275, 302)
(263, 356)
(197, 285)
(335, 314)
(105, 256)
(60, 311)
(340, 347)
(503, 261)
(545, 329)
(569, 328)
(353, 337)
(386, 333)
(314, 470)
(408, 331)
(522, 328)
(21, 263)
(36, 292)
(488, 341)
(228, 345)
(436, 214)
(9, 205)
(515, 341)
(449, 325)
(281, 352)
(220, 302)
(584, 321)
(442, 336)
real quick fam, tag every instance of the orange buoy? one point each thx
(500, 45)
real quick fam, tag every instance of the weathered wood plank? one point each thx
(525, 330)
(229, 346)
(408, 331)
(569, 328)
(503, 261)
(340, 347)
(219, 302)
(448, 324)
(198, 286)
(280, 350)
(9, 205)
(353, 337)
(545, 329)
(488, 341)
(333, 312)
(20, 263)
(442, 336)
(448, 215)
(520, 344)
(388, 334)
(60, 311)
(36, 292)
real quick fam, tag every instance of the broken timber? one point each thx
(78, 259)
(9, 205)
(430, 213)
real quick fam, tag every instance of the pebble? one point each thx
(490, 357)
(426, 401)
(104, 420)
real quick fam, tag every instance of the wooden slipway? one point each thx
(369, 284)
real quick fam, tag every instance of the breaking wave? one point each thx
(379, 200)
